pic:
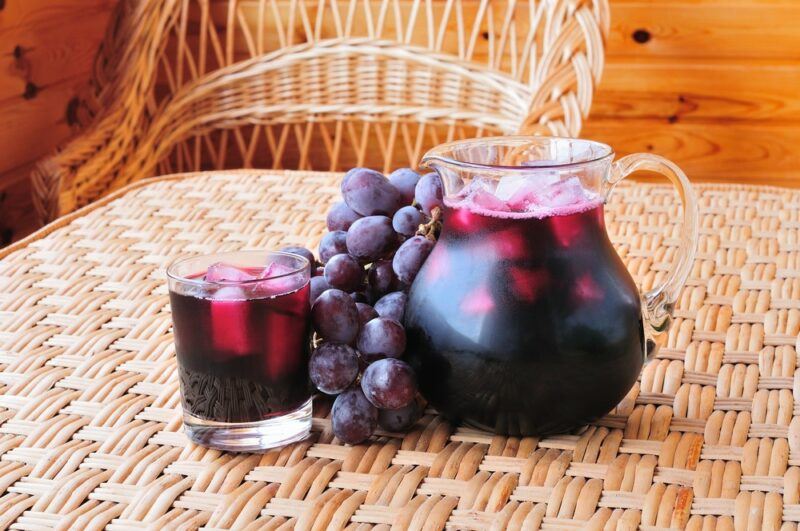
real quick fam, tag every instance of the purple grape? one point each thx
(340, 217)
(392, 306)
(318, 285)
(389, 384)
(406, 220)
(360, 296)
(410, 256)
(318, 271)
(371, 238)
(382, 338)
(353, 417)
(399, 420)
(428, 192)
(333, 367)
(302, 251)
(365, 313)
(381, 278)
(369, 193)
(405, 179)
(335, 316)
(332, 243)
(344, 272)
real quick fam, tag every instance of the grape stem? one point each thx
(432, 228)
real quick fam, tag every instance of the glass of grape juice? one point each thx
(242, 336)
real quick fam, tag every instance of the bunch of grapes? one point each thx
(378, 239)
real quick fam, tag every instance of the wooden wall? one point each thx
(712, 84)
(46, 53)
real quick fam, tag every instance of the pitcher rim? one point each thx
(433, 153)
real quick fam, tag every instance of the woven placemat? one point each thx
(90, 425)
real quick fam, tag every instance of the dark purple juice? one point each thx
(242, 355)
(522, 323)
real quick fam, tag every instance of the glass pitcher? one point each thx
(524, 320)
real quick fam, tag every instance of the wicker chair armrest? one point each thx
(55, 180)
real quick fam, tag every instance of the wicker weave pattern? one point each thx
(90, 430)
(198, 84)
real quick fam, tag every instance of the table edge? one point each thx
(68, 218)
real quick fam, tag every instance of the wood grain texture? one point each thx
(700, 89)
(16, 206)
(713, 85)
(51, 41)
(749, 153)
(46, 52)
(35, 129)
(754, 29)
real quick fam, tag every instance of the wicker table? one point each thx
(90, 428)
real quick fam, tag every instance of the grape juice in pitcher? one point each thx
(524, 320)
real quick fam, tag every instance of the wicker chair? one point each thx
(200, 84)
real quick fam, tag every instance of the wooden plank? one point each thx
(12, 176)
(705, 29)
(48, 48)
(699, 89)
(16, 208)
(49, 43)
(751, 153)
(34, 127)
(48, 13)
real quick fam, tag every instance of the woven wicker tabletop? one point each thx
(90, 423)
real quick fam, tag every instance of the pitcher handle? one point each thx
(659, 302)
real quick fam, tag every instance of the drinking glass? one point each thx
(242, 337)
